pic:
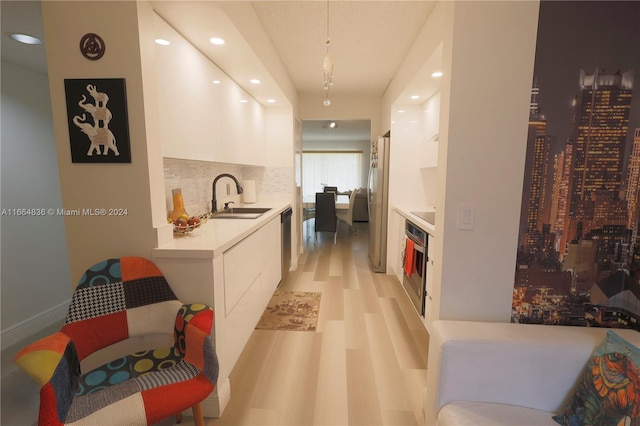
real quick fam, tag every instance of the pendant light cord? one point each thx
(328, 40)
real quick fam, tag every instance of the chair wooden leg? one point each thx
(179, 417)
(198, 419)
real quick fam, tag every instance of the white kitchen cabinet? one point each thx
(253, 146)
(249, 133)
(429, 135)
(237, 282)
(242, 269)
(428, 314)
(228, 99)
(251, 275)
(184, 101)
(203, 114)
(396, 244)
(254, 260)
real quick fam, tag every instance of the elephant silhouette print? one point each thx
(97, 130)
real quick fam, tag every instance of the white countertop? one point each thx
(216, 236)
(422, 224)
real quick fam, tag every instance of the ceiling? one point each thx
(344, 131)
(369, 40)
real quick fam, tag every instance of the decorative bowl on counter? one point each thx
(190, 224)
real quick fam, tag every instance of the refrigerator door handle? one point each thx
(369, 185)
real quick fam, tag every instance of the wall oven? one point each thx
(415, 265)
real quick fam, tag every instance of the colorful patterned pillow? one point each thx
(609, 393)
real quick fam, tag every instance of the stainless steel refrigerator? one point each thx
(378, 199)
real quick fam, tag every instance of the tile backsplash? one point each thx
(195, 178)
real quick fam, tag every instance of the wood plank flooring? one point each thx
(365, 365)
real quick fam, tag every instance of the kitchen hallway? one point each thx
(365, 364)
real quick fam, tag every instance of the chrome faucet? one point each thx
(214, 206)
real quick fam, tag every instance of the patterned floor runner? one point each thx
(291, 310)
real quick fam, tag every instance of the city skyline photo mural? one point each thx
(578, 259)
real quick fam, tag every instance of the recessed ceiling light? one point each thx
(244, 101)
(415, 97)
(255, 81)
(271, 101)
(162, 42)
(216, 81)
(216, 40)
(401, 111)
(24, 38)
(436, 74)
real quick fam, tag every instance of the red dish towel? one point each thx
(409, 255)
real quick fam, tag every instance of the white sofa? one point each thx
(484, 374)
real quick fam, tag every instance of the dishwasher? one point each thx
(285, 220)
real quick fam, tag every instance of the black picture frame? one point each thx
(98, 120)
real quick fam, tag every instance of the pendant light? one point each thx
(327, 67)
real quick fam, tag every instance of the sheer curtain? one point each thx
(330, 168)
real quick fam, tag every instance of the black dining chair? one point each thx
(326, 219)
(331, 189)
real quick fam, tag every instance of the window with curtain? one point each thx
(330, 168)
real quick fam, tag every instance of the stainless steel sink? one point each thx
(240, 213)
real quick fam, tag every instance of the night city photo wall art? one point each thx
(578, 259)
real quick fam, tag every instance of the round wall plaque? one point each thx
(92, 46)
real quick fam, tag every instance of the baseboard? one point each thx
(424, 406)
(32, 326)
(214, 405)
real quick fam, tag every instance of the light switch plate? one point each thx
(465, 218)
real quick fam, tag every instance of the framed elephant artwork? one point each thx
(98, 122)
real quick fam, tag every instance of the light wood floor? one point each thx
(365, 365)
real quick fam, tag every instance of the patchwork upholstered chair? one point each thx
(116, 300)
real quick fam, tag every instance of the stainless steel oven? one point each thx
(415, 265)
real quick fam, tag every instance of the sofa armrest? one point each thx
(527, 365)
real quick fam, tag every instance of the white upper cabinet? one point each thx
(249, 134)
(203, 114)
(430, 131)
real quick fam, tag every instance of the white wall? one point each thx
(489, 51)
(138, 186)
(412, 185)
(345, 108)
(488, 58)
(35, 264)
